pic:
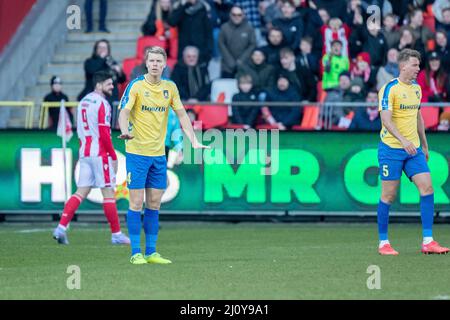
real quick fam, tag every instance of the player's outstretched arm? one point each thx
(123, 124)
(386, 118)
(422, 136)
(187, 128)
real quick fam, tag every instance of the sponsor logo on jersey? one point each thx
(409, 107)
(151, 109)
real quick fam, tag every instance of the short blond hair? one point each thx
(155, 50)
(405, 54)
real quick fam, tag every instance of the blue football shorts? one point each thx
(146, 171)
(394, 161)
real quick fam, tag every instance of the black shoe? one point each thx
(88, 30)
(104, 30)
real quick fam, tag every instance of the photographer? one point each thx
(101, 60)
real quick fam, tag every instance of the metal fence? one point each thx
(321, 113)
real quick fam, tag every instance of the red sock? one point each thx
(110, 209)
(69, 209)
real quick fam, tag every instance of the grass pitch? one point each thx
(224, 261)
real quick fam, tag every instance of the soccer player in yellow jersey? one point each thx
(143, 123)
(404, 147)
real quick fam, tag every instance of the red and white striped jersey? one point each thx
(93, 112)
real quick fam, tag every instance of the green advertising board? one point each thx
(315, 172)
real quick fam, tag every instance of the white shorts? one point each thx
(96, 172)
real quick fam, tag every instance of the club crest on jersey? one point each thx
(418, 94)
(166, 94)
(146, 94)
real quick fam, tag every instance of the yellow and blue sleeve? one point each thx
(386, 96)
(129, 96)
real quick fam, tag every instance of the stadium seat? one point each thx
(148, 41)
(430, 117)
(310, 119)
(128, 65)
(227, 86)
(213, 116)
(321, 94)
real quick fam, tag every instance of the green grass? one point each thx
(225, 261)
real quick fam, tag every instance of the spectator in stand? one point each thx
(336, 8)
(194, 27)
(220, 13)
(243, 114)
(443, 48)
(273, 47)
(269, 11)
(291, 24)
(356, 93)
(433, 79)
(56, 95)
(157, 23)
(102, 15)
(368, 38)
(306, 58)
(312, 22)
(390, 30)
(262, 73)
(337, 94)
(400, 9)
(336, 30)
(283, 117)
(438, 7)
(362, 68)
(355, 14)
(236, 42)
(421, 33)
(300, 78)
(444, 22)
(251, 10)
(407, 41)
(141, 69)
(367, 119)
(334, 64)
(101, 60)
(191, 77)
(390, 70)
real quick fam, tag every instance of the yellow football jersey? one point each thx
(404, 102)
(149, 108)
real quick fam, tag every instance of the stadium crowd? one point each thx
(294, 50)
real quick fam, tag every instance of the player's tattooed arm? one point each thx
(123, 124)
(187, 128)
(386, 118)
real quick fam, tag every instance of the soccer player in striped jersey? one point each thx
(143, 124)
(404, 147)
(97, 159)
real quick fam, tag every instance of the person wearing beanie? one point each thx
(56, 95)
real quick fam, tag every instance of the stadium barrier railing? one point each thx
(324, 111)
(29, 105)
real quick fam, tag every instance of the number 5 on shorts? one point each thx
(385, 170)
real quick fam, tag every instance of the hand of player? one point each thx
(281, 126)
(409, 147)
(198, 145)
(425, 152)
(125, 136)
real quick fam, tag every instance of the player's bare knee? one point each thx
(426, 190)
(388, 197)
(154, 205)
